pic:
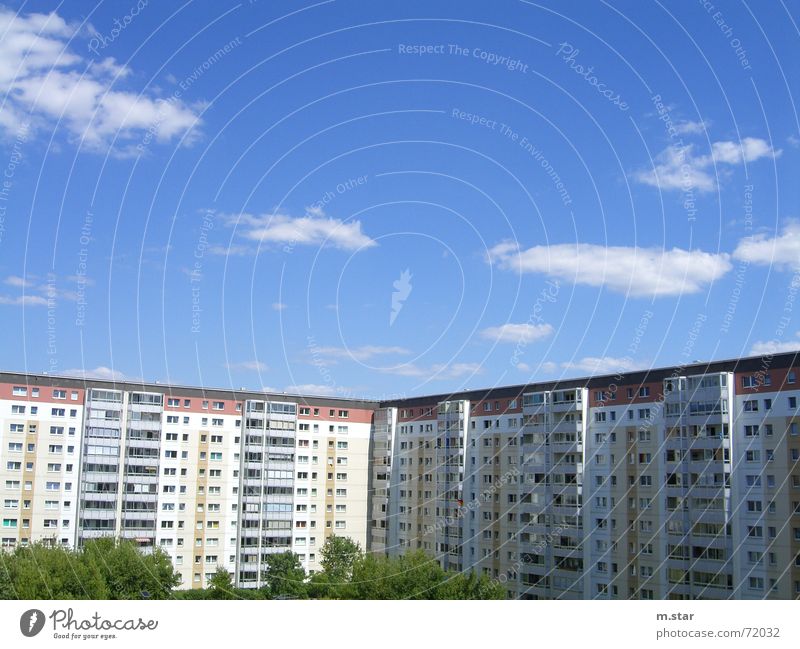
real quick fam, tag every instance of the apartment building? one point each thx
(215, 478)
(672, 483)
(40, 445)
(332, 477)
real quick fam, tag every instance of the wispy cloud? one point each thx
(678, 167)
(279, 306)
(603, 365)
(638, 272)
(19, 282)
(23, 300)
(775, 347)
(319, 389)
(45, 82)
(233, 250)
(39, 292)
(312, 229)
(247, 366)
(362, 353)
(689, 127)
(100, 372)
(517, 333)
(782, 250)
(439, 371)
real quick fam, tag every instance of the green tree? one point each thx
(469, 585)
(338, 557)
(130, 573)
(40, 571)
(285, 576)
(220, 585)
(414, 575)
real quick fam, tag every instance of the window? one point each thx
(17, 410)
(59, 394)
(219, 405)
(173, 403)
(19, 391)
(791, 377)
(751, 405)
(644, 391)
(751, 431)
(793, 402)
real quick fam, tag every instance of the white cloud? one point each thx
(679, 168)
(363, 353)
(688, 127)
(23, 300)
(279, 306)
(45, 82)
(602, 365)
(247, 366)
(676, 168)
(775, 347)
(749, 149)
(782, 250)
(233, 250)
(319, 389)
(517, 333)
(437, 371)
(309, 230)
(100, 372)
(20, 282)
(40, 292)
(639, 272)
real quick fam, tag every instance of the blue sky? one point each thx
(396, 199)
